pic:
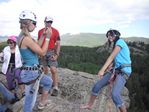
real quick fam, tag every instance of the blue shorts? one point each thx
(29, 75)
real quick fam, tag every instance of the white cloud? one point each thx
(72, 15)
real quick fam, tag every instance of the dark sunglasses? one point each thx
(109, 35)
(10, 42)
(48, 21)
(34, 23)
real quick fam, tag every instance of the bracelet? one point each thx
(47, 39)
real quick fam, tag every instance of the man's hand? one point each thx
(48, 33)
(54, 57)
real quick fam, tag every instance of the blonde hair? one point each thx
(24, 25)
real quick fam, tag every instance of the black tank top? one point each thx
(12, 58)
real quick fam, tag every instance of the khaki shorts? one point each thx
(46, 60)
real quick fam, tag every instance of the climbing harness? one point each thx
(37, 81)
(114, 73)
(119, 71)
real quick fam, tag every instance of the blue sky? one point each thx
(130, 17)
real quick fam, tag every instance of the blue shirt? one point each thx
(29, 57)
(123, 57)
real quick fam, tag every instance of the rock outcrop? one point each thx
(75, 90)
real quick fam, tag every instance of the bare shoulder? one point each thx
(27, 41)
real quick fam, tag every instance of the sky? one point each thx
(130, 17)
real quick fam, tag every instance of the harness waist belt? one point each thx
(124, 65)
(29, 68)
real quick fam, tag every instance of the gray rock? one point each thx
(75, 90)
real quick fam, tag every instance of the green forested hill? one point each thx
(89, 60)
(83, 39)
(87, 39)
(92, 39)
(138, 39)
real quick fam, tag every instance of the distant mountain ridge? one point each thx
(138, 39)
(3, 38)
(87, 39)
(93, 39)
(83, 39)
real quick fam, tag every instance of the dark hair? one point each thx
(114, 33)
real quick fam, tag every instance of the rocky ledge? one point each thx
(75, 90)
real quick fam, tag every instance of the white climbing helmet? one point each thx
(48, 18)
(26, 14)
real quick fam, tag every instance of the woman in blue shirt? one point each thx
(31, 73)
(120, 59)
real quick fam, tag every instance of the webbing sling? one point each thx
(37, 82)
(113, 76)
(125, 65)
(122, 71)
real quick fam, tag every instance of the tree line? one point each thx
(89, 60)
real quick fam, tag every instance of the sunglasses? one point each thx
(48, 21)
(34, 23)
(109, 35)
(10, 42)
